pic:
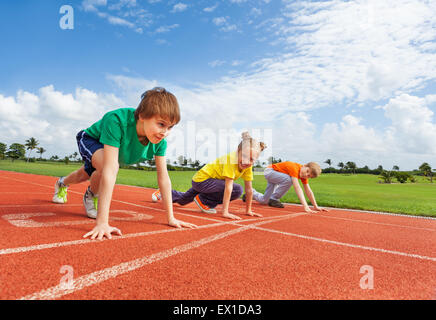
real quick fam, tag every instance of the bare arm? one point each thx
(163, 179)
(249, 199)
(300, 195)
(107, 182)
(226, 200)
(311, 197)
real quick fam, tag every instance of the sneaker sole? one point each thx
(58, 200)
(91, 215)
(211, 211)
(276, 206)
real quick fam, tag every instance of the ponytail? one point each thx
(253, 143)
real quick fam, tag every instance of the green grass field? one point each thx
(358, 191)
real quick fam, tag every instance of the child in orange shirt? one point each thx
(281, 176)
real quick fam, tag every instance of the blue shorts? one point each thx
(87, 147)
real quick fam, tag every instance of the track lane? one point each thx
(311, 256)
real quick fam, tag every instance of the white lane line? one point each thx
(127, 236)
(410, 255)
(373, 222)
(40, 205)
(114, 271)
(403, 215)
(24, 220)
(21, 193)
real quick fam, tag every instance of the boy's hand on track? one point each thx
(102, 230)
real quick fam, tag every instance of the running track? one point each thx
(285, 255)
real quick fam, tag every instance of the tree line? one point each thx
(387, 175)
(18, 151)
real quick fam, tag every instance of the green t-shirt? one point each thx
(117, 128)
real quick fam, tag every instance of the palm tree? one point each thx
(31, 144)
(3, 148)
(75, 154)
(341, 165)
(352, 166)
(426, 170)
(329, 162)
(396, 168)
(386, 176)
(40, 151)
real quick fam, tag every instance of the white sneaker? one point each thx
(156, 196)
(90, 201)
(60, 194)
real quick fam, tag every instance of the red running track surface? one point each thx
(285, 255)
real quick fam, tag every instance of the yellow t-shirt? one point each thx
(222, 168)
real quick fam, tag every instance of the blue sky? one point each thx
(345, 80)
(177, 45)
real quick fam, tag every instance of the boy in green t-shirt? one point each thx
(125, 136)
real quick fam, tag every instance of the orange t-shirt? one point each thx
(289, 168)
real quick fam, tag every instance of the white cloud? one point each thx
(162, 42)
(233, 63)
(351, 136)
(119, 21)
(91, 5)
(224, 23)
(340, 53)
(256, 12)
(228, 28)
(164, 29)
(179, 7)
(331, 53)
(412, 123)
(211, 9)
(132, 88)
(52, 117)
(123, 3)
(127, 13)
(216, 63)
(360, 50)
(219, 21)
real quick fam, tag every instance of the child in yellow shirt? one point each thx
(214, 183)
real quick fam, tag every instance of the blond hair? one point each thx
(158, 102)
(253, 143)
(314, 168)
